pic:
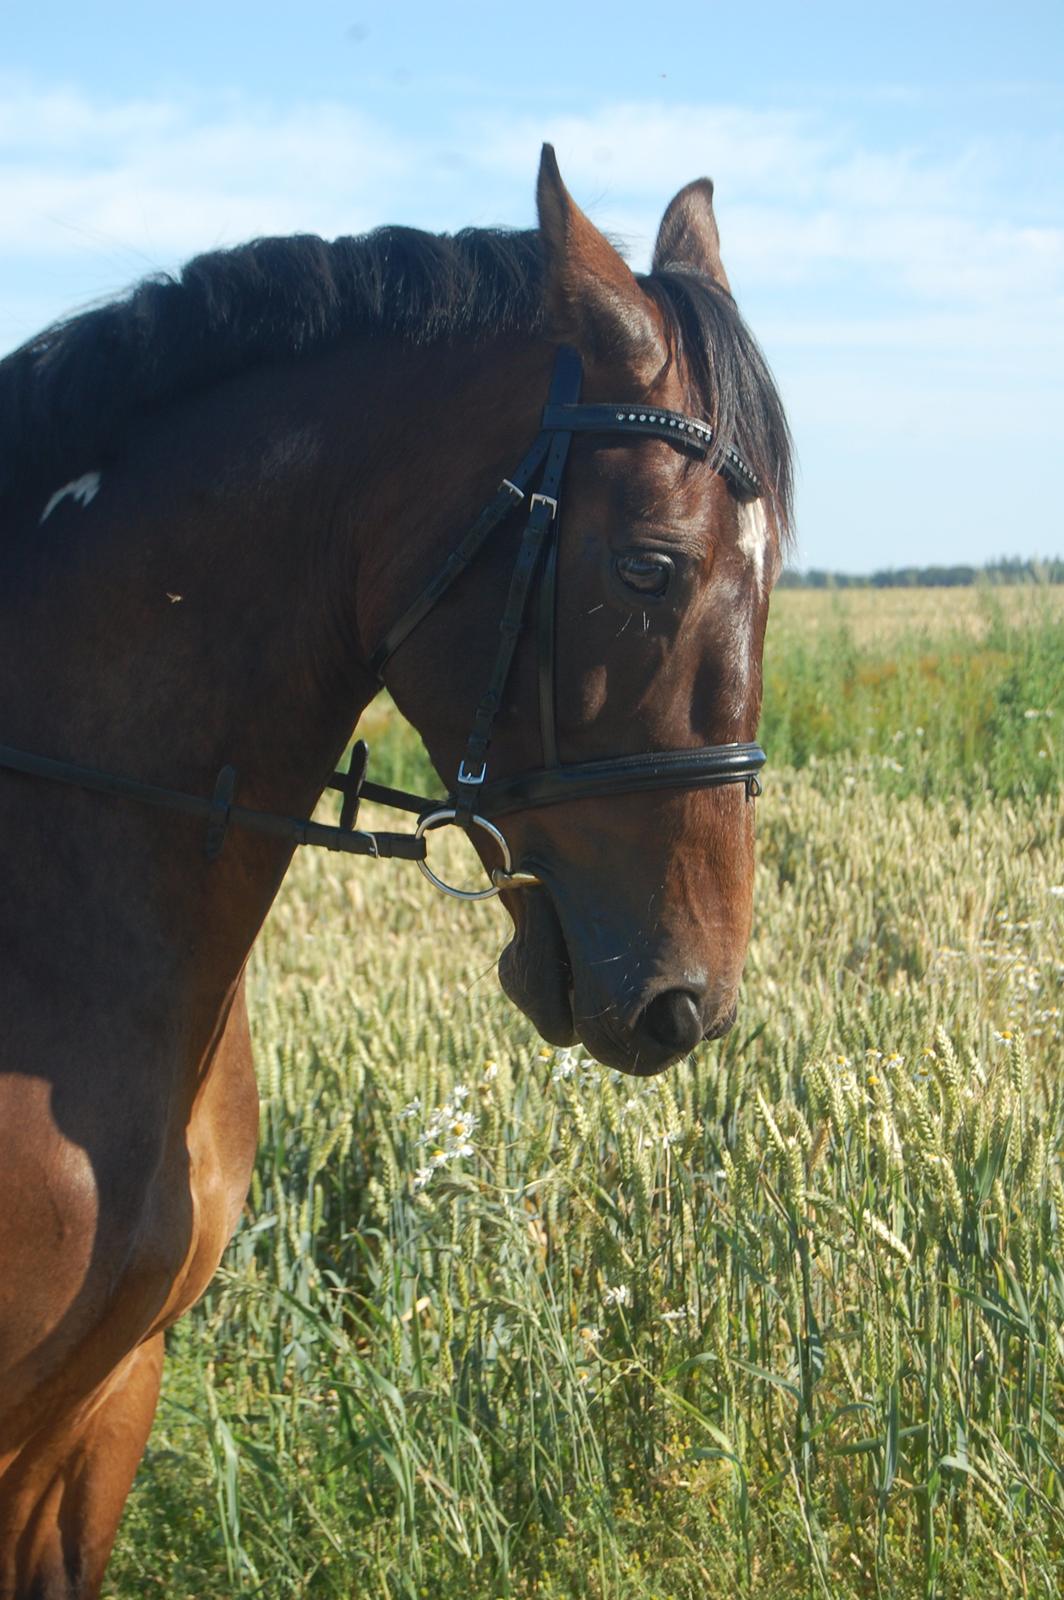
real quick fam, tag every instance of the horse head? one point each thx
(634, 936)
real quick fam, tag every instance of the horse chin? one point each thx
(535, 972)
(724, 1023)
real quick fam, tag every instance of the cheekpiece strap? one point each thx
(541, 530)
(510, 493)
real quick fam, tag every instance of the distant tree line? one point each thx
(1007, 569)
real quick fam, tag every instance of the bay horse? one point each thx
(218, 495)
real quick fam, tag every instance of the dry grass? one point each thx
(878, 617)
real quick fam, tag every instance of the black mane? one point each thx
(66, 395)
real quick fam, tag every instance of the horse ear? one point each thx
(592, 299)
(688, 236)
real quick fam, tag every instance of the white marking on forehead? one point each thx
(83, 490)
(736, 602)
(753, 538)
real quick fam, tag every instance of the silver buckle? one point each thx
(547, 500)
(471, 777)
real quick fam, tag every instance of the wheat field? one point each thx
(788, 1320)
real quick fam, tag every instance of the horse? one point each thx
(218, 495)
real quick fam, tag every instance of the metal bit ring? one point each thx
(501, 878)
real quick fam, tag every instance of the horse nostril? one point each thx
(674, 1019)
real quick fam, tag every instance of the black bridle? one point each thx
(474, 800)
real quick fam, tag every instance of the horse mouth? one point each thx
(536, 973)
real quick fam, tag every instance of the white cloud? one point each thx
(646, 149)
(906, 296)
(800, 203)
(164, 179)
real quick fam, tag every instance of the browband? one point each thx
(673, 426)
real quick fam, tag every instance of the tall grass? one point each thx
(962, 703)
(786, 1321)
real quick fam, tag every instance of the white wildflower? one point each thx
(680, 1314)
(462, 1125)
(617, 1295)
(565, 1066)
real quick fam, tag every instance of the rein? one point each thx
(474, 801)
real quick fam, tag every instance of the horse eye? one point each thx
(647, 574)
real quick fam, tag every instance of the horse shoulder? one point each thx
(115, 1208)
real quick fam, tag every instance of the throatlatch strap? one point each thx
(473, 768)
(510, 493)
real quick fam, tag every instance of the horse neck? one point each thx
(218, 600)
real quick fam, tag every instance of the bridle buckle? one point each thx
(547, 500)
(474, 778)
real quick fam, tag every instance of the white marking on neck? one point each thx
(753, 538)
(83, 490)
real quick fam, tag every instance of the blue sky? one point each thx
(890, 191)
